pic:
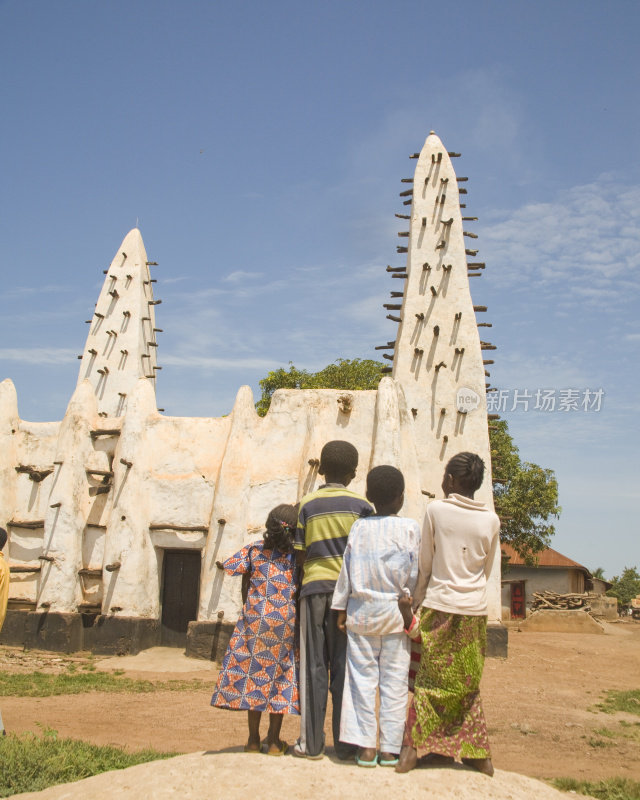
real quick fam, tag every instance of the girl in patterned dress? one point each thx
(260, 668)
(459, 544)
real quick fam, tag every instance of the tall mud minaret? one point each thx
(121, 345)
(437, 354)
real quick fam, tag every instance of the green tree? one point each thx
(525, 495)
(626, 586)
(598, 572)
(344, 373)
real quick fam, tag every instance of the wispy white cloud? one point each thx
(241, 275)
(214, 363)
(37, 355)
(580, 248)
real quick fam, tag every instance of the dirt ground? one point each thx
(539, 705)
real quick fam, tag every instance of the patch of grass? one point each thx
(620, 701)
(608, 789)
(30, 763)
(593, 742)
(40, 684)
(606, 732)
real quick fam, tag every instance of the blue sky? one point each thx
(260, 147)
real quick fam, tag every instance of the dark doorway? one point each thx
(517, 600)
(180, 595)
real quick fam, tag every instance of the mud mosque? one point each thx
(117, 514)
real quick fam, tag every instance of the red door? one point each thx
(517, 600)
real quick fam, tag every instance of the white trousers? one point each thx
(375, 662)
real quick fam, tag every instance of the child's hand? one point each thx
(405, 604)
(341, 622)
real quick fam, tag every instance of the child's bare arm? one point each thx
(341, 622)
(405, 603)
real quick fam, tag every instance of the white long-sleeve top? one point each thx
(380, 561)
(460, 537)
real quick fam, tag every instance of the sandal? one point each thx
(284, 749)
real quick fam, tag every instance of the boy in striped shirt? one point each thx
(324, 520)
(380, 565)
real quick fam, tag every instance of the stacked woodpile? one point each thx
(555, 601)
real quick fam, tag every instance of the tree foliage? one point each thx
(626, 586)
(344, 373)
(525, 495)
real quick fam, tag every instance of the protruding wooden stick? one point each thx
(441, 244)
(488, 361)
(444, 181)
(476, 264)
(55, 505)
(93, 351)
(420, 316)
(406, 180)
(446, 267)
(394, 319)
(46, 558)
(471, 252)
(462, 180)
(487, 346)
(402, 249)
(418, 351)
(154, 302)
(469, 219)
(388, 357)
(115, 565)
(454, 155)
(424, 222)
(396, 294)
(407, 202)
(434, 291)
(385, 370)
(440, 365)
(436, 159)
(426, 266)
(414, 155)
(470, 235)
(151, 263)
(400, 275)
(436, 330)
(459, 351)
(403, 216)
(392, 306)
(428, 494)
(395, 269)
(100, 316)
(443, 412)
(462, 191)
(479, 308)
(126, 313)
(403, 234)
(385, 347)
(127, 464)
(484, 324)
(408, 193)
(458, 315)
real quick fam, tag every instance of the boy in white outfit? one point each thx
(380, 564)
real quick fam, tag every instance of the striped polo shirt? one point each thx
(324, 521)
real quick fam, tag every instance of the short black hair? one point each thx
(280, 528)
(384, 484)
(3, 537)
(338, 458)
(468, 468)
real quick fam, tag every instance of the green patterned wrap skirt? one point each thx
(445, 715)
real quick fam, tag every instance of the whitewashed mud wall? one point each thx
(94, 502)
